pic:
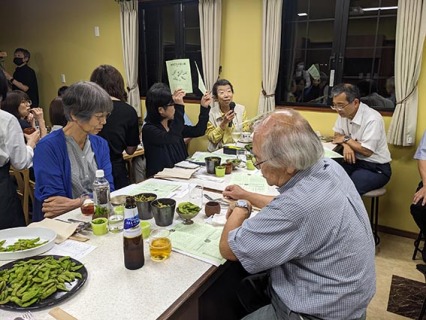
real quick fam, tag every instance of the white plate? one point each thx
(13, 234)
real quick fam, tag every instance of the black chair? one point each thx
(419, 239)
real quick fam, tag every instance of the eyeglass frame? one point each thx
(257, 164)
(336, 108)
(103, 116)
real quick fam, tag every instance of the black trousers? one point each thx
(419, 212)
(11, 214)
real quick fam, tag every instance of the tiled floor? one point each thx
(393, 257)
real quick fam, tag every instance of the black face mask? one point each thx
(18, 61)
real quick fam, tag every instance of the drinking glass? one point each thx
(160, 246)
(240, 153)
(116, 214)
(236, 134)
(87, 204)
(196, 195)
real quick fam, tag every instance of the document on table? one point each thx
(254, 183)
(162, 188)
(328, 150)
(176, 172)
(71, 248)
(198, 240)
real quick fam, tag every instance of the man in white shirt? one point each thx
(361, 131)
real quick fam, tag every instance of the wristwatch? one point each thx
(346, 139)
(243, 204)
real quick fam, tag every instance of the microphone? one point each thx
(232, 107)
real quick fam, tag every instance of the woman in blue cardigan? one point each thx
(65, 161)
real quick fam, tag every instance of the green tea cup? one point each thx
(146, 229)
(99, 226)
(250, 165)
(220, 171)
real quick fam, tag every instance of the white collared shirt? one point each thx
(368, 128)
(12, 143)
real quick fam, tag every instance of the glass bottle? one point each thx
(132, 236)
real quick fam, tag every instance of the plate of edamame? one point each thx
(39, 282)
(22, 242)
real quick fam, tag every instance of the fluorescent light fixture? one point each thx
(380, 8)
(302, 14)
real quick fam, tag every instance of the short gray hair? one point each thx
(289, 141)
(351, 91)
(83, 99)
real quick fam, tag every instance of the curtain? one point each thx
(410, 33)
(130, 42)
(271, 42)
(210, 12)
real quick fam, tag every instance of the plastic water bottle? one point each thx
(101, 195)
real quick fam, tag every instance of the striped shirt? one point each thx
(316, 241)
(421, 149)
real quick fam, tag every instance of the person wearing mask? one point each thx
(361, 131)
(18, 103)
(13, 151)
(317, 256)
(122, 128)
(66, 160)
(223, 120)
(24, 77)
(164, 130)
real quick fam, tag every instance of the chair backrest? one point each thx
(25, 190)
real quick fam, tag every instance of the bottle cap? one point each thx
(99, 173)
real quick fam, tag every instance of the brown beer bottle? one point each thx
(132, 237)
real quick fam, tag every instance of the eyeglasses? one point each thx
(257, 164)
(28, 102)
(103, 116)
(339, 107)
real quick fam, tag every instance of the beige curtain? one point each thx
(130, 43)
(271, 42)
(410, 34)
(210, 12)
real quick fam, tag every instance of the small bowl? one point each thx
(235, 163)
(211, 208)
(186, 217)
(228, 167)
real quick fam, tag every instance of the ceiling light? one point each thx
(302, 14)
